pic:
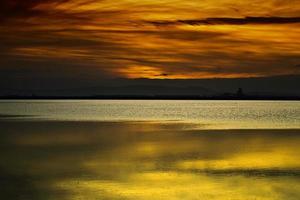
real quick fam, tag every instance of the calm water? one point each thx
(205, 114)
(144, 150)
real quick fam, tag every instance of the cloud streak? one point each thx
(231, 21)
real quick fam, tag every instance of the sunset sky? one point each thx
(156, 39)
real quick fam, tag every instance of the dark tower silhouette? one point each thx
(240, 93)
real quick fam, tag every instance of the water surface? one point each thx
(176, 150)
(206, 114)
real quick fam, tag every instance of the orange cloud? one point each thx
(151, 39)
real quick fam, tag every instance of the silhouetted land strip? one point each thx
(158, 97)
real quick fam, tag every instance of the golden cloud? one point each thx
(156, 39)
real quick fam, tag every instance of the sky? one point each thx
(78, 40)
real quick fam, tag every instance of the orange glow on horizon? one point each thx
(147, 72)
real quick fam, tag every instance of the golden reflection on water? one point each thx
(94, 160)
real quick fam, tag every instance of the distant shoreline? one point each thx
(154, 97)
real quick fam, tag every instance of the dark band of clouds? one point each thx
(230, 21)
(23, 8)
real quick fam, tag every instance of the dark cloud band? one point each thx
(22, 8)
(230, 21)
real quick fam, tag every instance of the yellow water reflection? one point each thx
(94, 160)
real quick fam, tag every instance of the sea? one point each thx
(149, 149)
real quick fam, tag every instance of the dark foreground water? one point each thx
(82, 159)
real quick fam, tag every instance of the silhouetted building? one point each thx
(240, 93)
